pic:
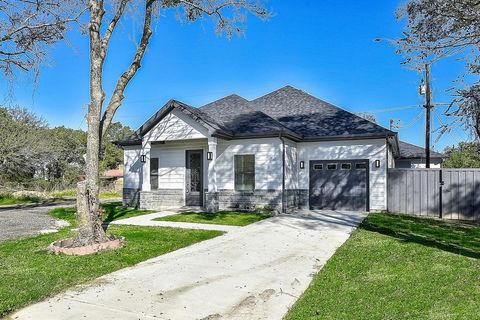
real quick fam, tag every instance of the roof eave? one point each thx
(126, 143)
(290, 136)
(346, 137)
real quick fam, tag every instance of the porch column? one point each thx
(212, 195)
(212, 175)
(146, 167)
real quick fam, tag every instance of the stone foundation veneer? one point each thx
(161, 198)
(221, 200)
(131, 197)
(255, 200)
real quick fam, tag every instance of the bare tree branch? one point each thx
(443, 28)
(112, 25)
(117, 96)
(28, 28)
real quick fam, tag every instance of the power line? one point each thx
(445, 126)
(392, 109)
(406, 107)
(411, 123)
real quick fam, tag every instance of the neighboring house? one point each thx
(412, 156)
(113, 178)
(284, 150)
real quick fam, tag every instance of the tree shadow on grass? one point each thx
(115, 211)
(451, 237)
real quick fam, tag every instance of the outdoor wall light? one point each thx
(209, 155)
(143, 158)
(377, 163)
(302, 164)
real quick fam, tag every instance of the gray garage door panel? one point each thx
(339, 185)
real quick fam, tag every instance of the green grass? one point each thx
(72, 193)
(65, 214)
(398, 267)
(113, 211)
(67, 193)
(232, 218)
(110, 195)
(29, 274)
(8, 199)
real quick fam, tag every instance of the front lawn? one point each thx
(72, 193)
(8, 199)
(232, 218)
(398, 267)
(29, 274)
(113, 211)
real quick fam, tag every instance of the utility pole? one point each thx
(428, 107)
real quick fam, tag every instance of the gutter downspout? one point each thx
(283, 173)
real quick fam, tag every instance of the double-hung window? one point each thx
(244, 172)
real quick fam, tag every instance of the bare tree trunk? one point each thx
(88, 203)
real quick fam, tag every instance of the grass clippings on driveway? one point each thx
(232, 218)
(29, 274)
(398, 267)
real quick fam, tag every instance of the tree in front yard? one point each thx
(441, 28)
(228, 16)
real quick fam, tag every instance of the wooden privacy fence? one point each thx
(442, 193)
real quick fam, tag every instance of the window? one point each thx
(361, 166)
(154, 173)
(332, 166)
(346, 166)
(244, 172)
(318, 167)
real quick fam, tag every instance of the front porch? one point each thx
(177, 173)
(201, 173)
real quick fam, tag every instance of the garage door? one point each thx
(339, 185)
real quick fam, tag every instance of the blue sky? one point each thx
(323, 47)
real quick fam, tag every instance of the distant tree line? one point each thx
(36, 157)
(464, 155)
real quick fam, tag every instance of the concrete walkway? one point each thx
(254, 272)
(147, 220)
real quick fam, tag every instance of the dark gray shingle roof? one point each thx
(411, 151)
(235, 113)
(314, 118)
(288, 111)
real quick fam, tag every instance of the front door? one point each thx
(194, 178)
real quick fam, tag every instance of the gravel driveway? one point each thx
(21, 221)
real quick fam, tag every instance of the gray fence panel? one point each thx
(420, 192)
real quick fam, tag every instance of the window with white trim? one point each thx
(244, 172)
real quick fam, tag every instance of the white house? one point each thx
(412, 156)
(284, 150)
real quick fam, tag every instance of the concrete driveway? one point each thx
(255, 272)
